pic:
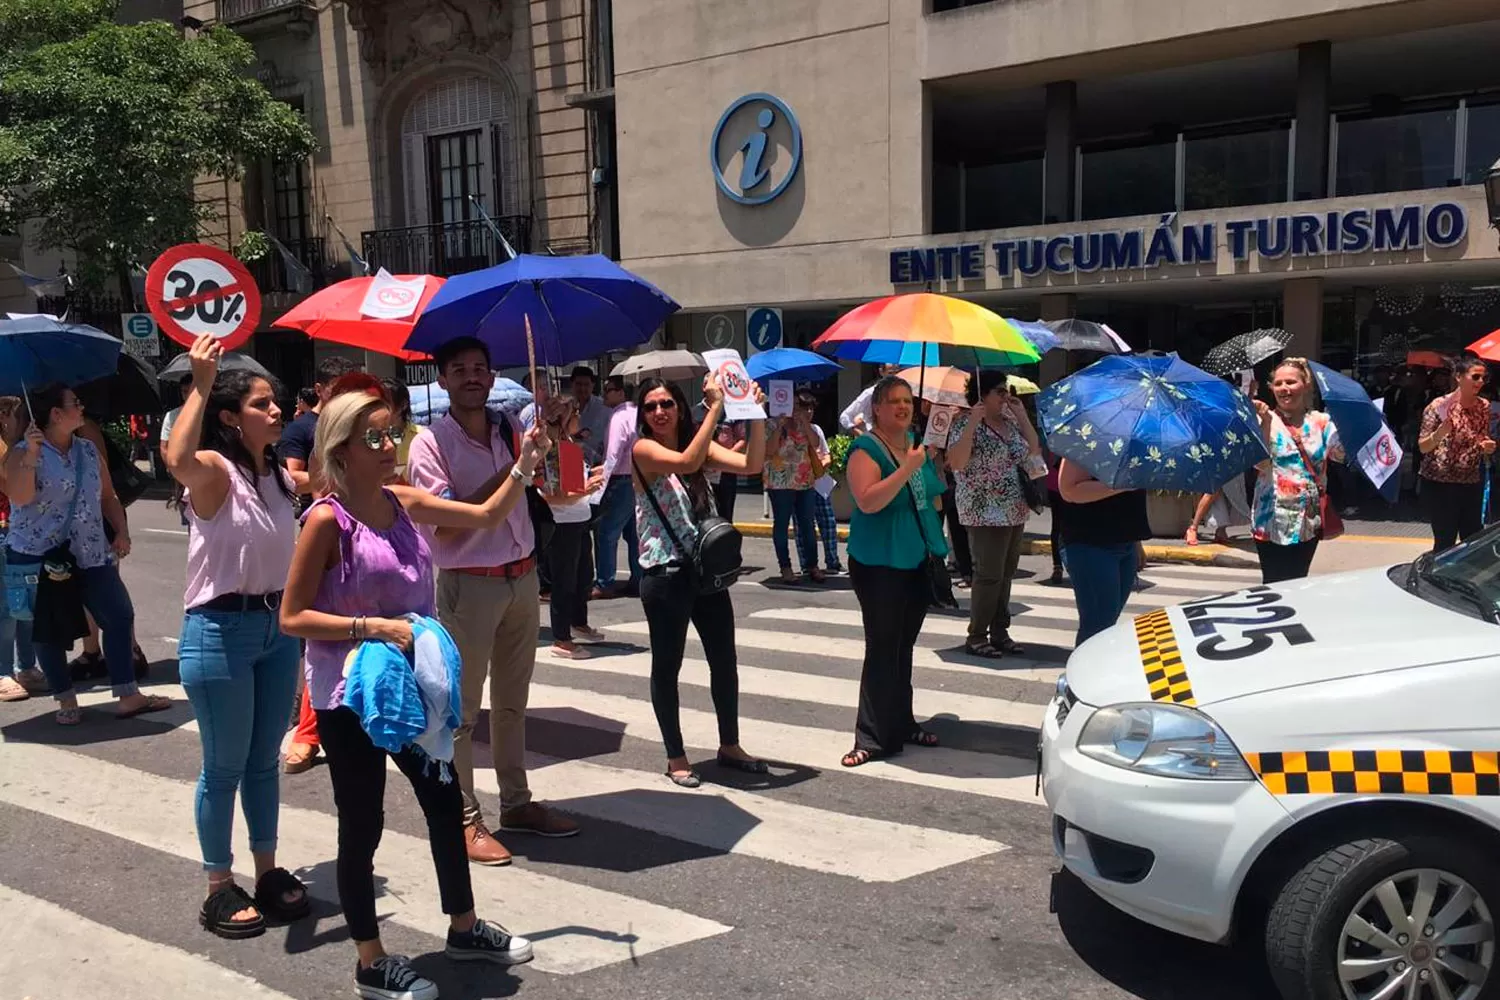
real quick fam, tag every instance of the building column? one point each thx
(1055, 363)
(1302, 316)
(1062, 140)
(1310, 166)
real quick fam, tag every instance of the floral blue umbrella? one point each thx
(1152, 421)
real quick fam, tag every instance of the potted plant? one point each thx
(838, 464)
(1170, 512)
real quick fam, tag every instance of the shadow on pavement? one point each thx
(1152, 963)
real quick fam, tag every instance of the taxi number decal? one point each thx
(1256, 634)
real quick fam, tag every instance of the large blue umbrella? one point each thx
(579, 307)
(40, 350)
(1152, 421)
(1360, 424)
(792, 364)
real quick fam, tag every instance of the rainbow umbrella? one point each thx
(921, 328)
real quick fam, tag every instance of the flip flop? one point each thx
(154, 703)
(571, 654)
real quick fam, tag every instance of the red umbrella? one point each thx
(335, 314)
(1488, 346)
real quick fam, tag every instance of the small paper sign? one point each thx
(1380, 457)
(825, 485)
(939, 423)
(739, 392)
(780, 397)
(389, 297)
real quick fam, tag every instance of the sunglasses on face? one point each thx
(374, 439)
(1477, 377)
(665, 405)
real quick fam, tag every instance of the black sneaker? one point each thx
(487, 942)
(393, 978)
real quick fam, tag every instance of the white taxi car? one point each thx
(1316, 762)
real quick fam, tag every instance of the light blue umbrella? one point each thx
(791, 364)
(40, 350)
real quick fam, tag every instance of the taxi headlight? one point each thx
(1167, 740)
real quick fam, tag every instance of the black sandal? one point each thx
(923, 738)
(1010, 647)
(857, 757)
(270, 891)
(983, 650)
(748, 765)
(689, 780)
(219, 909)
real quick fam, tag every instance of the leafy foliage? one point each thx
(105, 127)
(838, 453)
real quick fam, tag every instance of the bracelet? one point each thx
(353, 625)
(518, 475)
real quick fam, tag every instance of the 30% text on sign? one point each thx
(193, 289)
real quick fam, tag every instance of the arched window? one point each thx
(456, 144)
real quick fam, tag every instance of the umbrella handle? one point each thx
(26, 395)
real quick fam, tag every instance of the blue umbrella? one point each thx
(1359, 422)
(1152, 421)
(912, 354)
(792, 364)
(1039, 334)
(579, 307)
(39, 350)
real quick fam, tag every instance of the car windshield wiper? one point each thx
(1457, 585)
(1416, 569)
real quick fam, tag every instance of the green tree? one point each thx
(104, 127)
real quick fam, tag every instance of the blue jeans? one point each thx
(105, 597)
(240, 673)
(15, 635)
(616, 518)
(1102, 578)
(785, 505)
(828, 529)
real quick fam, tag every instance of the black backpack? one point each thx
(715, 560)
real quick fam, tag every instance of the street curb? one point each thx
(1200, 555)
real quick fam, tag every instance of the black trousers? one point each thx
(671, 601)
(963, 556)
(571, 558)
(1054, 503)
(357, 768)
(1285, 562)
(892, 605)
(1454, 510)
(725, 490)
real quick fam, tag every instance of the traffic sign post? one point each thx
(762, 328)
(142, 338)
(193, 289)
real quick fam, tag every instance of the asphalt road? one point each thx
(928, 876)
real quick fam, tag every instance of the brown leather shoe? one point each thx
(300, 757)
(483, 848)
(536, 818)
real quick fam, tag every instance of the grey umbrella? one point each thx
(232, 361)
(669, 365)
(1086, 335)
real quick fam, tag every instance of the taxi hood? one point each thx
(1267, 638)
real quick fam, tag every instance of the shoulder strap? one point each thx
(910, 494)
(660, 514)
(76, 452)
(1306, 461)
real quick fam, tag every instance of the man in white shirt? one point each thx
(593, 415)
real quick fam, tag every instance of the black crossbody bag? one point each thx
(715, 561)
(939, 584)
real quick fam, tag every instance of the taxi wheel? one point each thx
(1408, 916)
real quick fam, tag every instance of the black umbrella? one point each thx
(131, 389)
(1244, 351)
(1086, 335)
(231, 361)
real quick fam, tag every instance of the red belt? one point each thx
(509, 571)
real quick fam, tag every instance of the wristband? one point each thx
(519, 476)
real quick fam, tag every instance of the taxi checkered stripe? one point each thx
(1390, 772)
(1166, 677)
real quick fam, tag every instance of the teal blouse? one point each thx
(892, 537)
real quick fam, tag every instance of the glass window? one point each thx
(1002, 195)
(1483, 142)
(1404, 152)
(1134, 180)
(1247, 168)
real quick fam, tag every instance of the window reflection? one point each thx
(1134, 180)
(1248, 168)
(1404, 152)
(1483, 142)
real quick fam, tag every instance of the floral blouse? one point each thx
(1457, 457)
(657, 548)
(39, 526)
(988, 490)
(788, 467)
(1287, 497)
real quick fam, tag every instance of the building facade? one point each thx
(1184, 170)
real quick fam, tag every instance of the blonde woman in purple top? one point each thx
(359, 568)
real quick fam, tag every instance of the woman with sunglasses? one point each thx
(1455, 443)
(669, 459)
(360, 567)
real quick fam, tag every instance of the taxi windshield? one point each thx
(1468, 573)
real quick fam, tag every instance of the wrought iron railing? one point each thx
(445, 248)
(230, 11)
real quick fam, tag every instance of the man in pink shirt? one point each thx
(617, 506)
(487, 595)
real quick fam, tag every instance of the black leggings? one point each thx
(1454, 509)
(1285, 562)
(963, 555)
(892, 606)
(357, 768)
(671, 601)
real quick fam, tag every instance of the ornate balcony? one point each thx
(445, 249)
(251, 17)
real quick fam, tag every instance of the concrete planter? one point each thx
(843, 501)
(1170, 513)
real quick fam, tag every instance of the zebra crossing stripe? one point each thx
(935, 625)
(60, 954)
(575, 928)
(990, 775)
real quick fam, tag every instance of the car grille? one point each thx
(1066, 699)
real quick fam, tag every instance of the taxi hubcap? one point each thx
(1420, 934)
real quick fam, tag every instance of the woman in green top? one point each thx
(895, 525)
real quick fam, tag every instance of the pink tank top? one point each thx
(246, 547)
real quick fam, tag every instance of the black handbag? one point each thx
(1034, 495)
(128, 480)
(939, 583)
(715, 561)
